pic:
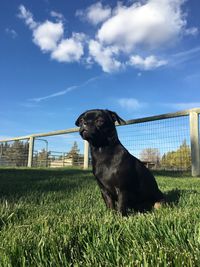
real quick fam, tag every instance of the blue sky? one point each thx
(60, 58)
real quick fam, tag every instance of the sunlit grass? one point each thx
(58, 218)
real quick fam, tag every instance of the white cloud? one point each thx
(184, 56)
(154, 23)
(59, 93)
(65, 91)
(47, 35)
(148, 63)
(130, 103)
(27, 16)
(192, 31)
(69, 50)
(188, 53)
(11, 32)
(143, 25)
(57, 15)
(125, 35)
(95, 13)
(104, 56)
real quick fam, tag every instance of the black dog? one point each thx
(123, 179)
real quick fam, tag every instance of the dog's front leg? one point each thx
(122, 203)
(106, 195)
(109, 201)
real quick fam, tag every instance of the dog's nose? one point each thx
(85, 126)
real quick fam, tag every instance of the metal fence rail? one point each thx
(165, 142)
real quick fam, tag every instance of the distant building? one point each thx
(68, 160)
(4, 162)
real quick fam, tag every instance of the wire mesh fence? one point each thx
(53, 151)
(163, 143)
(58, 151)
(14, 154)
(160, 144)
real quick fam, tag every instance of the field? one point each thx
(57, 218)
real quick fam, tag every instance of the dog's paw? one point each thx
(158, 205)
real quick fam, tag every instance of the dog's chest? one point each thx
(105, 164)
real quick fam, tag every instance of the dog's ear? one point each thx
(77, 123)
(115, 117)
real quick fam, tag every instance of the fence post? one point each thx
(1, 153)
(86, 155)
(195, 146)
(30, 151)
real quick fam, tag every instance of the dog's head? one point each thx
(98, 125)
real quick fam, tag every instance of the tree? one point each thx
(42, 158)
(150, 155)
(74, 153)
(179, 159)
(15, 154)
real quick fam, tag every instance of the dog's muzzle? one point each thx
(87, 132)
(84, 132)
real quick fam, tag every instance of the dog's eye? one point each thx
(100, 122)
(81, 121)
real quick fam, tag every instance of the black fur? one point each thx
(123, 179)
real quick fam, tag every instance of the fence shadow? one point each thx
(172, 174)
(41, 173)
(16, 183)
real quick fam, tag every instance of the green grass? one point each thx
(58, 218)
